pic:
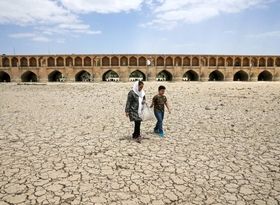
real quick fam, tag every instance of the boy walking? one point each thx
(159, 101)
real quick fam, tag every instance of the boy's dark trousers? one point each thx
(159, 115)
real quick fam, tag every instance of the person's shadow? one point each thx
(129, 138)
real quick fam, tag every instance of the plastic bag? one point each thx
(147, 113)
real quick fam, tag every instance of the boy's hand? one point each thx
(169, 111)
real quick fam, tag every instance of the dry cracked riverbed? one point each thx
(70, 144)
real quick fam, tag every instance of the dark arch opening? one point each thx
(78, 61)
(195, 61)
(59, 61)
(14, 62)
(133, 61)
(50, 61)
(265, 76)
(110, 76)
(137, 75)
(4, 77)
(105, 61)
(6, 62)
(83, 76)
(87, 61)
(178, 61)
(216, 76)
(142, 61)
(160, 61)
(29, 76)
(246, 62)
(124, 61)
(23, 62)
(55, 76)
(115, 61)
(164, 76)
(241, 76)
(190, 76)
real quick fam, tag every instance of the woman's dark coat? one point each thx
(132, 105)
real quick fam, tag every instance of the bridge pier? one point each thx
(203, 79)
(254, 79)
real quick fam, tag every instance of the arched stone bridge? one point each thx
(70, 68)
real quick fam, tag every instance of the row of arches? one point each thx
(84, 76)
(141, 61)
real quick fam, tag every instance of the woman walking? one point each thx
(133, 108)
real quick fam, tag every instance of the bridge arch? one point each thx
(55, 76)
(110, 75)
(164, 75)
(83, 76)
(216, 75)
(190, 75)
(4, 77)
(137, 75)
(29, 76)
(265, 76)
(241, 76)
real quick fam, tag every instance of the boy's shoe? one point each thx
(161, 135)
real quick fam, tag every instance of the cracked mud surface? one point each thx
(70, 144)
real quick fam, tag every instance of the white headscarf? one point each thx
(141, 95)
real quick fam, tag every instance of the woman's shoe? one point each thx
(138, 139)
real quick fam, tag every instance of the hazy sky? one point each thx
(140, 26)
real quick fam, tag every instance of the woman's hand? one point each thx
(126, 114)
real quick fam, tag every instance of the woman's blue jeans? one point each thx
(159, 115)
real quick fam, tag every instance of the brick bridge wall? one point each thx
(175, 67)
